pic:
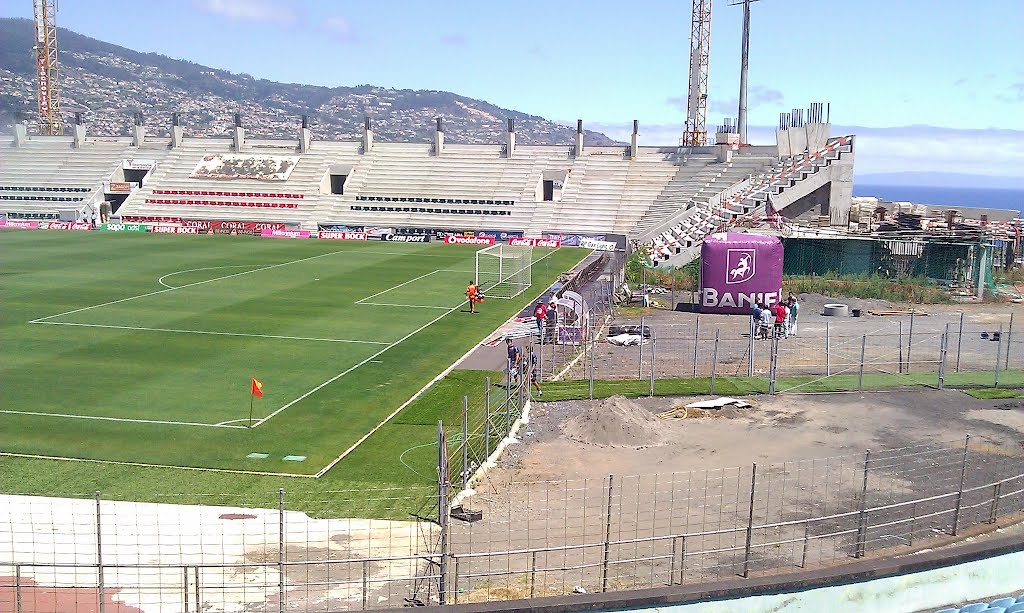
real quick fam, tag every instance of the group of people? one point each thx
(515, 362)
(778, 319)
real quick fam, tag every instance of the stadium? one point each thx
(241, 374)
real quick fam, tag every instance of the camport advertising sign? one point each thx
(739, 270)
(405, 238)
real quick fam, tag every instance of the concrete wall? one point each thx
(841, 196)
(782, 141)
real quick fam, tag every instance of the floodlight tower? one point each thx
(695, 132)
(744, 69)
(50, 120)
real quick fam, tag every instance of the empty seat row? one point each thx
(192, 192)
(21, 188)
(417, 209)
(269, 205)
(42, 198)
(150, 219)
(20, 215)
(1000, 605)
(432, 200)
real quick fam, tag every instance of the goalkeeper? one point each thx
(473, 295)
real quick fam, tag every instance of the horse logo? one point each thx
(740, 265)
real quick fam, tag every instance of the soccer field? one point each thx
(140, 349)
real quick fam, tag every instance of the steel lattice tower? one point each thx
(50, 120)
(695, 132)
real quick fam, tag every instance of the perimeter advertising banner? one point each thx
(341, 236)
(453, 239)
(124, 227)
(738, 270)
(285, 233)
(246, 227)
(19, 223)
(64, 225)
(534, 242)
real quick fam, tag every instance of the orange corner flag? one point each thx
(257, 388)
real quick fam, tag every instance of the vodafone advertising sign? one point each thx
(534, 242)
(342, 236)
(452, 239)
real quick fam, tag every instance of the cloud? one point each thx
(757, 95)
(678, 102)
(1015, 93)
(537, 52)
(454, 40)
(340, 29)
(259, 11)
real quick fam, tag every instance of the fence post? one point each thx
(487, 426)
(17, 588)
(773, 358)
(803, 555)
(862, 524)
(960, 490)
(591, 367)
(533, 572)
(640, 366)
(999, 357)
(959, 340)
(900, 324)
(607, 536)
(994, 510)
(465, 439)
(942, 357)
(860, 377)
(1009, 339)
(910, 338)
(750, 349)
(696, 339)
(750, 521)
(442, 508)
(714, 361)
(280, 551)
(654, 353)
(828, 351)
(99, 555)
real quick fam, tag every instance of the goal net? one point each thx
(504, 271)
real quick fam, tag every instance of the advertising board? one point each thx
(739, 270)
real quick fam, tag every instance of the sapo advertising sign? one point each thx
(123, 227)
(739, 270)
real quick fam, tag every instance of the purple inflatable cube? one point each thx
(738, 270)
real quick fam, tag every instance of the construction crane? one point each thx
(695, 133)
(50, 120)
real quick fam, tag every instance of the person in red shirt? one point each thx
(780, 319)
(540, 312)
(473, 294)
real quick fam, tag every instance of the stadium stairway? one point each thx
(744, 202)
(47, 174)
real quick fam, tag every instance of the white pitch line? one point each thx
(171, 289)
(243, 334)
(124, 419)
(406, 306)
(261, 473)
(179, 272)
(348, 370)
(360, 301)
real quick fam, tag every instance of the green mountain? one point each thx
(108, 83)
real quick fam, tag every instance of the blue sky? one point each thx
(881, 64)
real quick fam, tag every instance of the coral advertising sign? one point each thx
(739, 270)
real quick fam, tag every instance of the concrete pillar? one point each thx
(579, 137)
(305, 135)
(510, 138)
(723, 153)
(20, 134)
(979, 285)
(840, 197)
(138, 135)
(79, 135)
(238, 134)
(367, 135)
(439, 137)
(177, 132)
(633, 140)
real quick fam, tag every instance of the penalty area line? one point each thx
(121, 419)
(259, 473)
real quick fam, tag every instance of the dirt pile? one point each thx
(617, 422)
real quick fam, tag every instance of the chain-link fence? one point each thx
(521, 540)
(841, 355)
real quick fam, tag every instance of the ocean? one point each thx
(1012, 199)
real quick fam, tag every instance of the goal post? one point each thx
(504, 271)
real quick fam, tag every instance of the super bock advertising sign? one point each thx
(739, 270)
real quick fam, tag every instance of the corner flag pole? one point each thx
(251, 396)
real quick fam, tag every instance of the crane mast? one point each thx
(695, 132)
(50, 120)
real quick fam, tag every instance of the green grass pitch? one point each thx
(139, 349)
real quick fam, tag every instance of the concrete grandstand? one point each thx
(667, 197)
